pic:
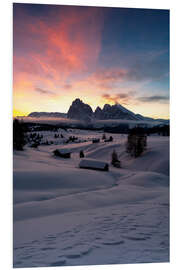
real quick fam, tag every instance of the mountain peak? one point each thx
(116, 111)
(106, 106)
(79, 110)
(77, 101)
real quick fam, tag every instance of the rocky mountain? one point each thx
(98, 114)
(47, 114)
(80, 110)
(116, 111)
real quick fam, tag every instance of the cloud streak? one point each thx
(155, 98)
(44, 92)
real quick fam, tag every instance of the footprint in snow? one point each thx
(136, 238)
(26, 257)
(113, 243)
(73, 256)
(35, 242)
(58, 263)
(50, 236)
(17, 263)
(87, 251)
(67, 248)
(47, 248)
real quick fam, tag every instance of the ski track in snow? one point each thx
(132, 232)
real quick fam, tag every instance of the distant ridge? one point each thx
(47, 114)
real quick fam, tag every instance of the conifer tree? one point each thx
(18, 135)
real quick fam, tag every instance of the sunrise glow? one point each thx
(101, 55)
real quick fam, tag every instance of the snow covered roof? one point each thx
(92, 163)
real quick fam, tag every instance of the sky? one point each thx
(100, 55)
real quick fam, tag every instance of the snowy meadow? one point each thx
(66, 215)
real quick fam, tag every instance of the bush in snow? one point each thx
(95, 140)
(71, 139)
(81, 154)
(34, 145)
(36, 140)
(109, 140)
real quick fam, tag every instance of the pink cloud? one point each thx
(49, 53)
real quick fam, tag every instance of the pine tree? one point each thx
(136, 142)
(18, 135)
(114, 160)
(114, 157)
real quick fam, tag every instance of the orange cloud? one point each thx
(122, 98)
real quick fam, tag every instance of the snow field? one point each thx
(64, 215)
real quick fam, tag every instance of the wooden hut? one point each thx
(64, 153)
(94, 164)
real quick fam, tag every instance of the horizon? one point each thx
(83, 102)
(102, 55)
